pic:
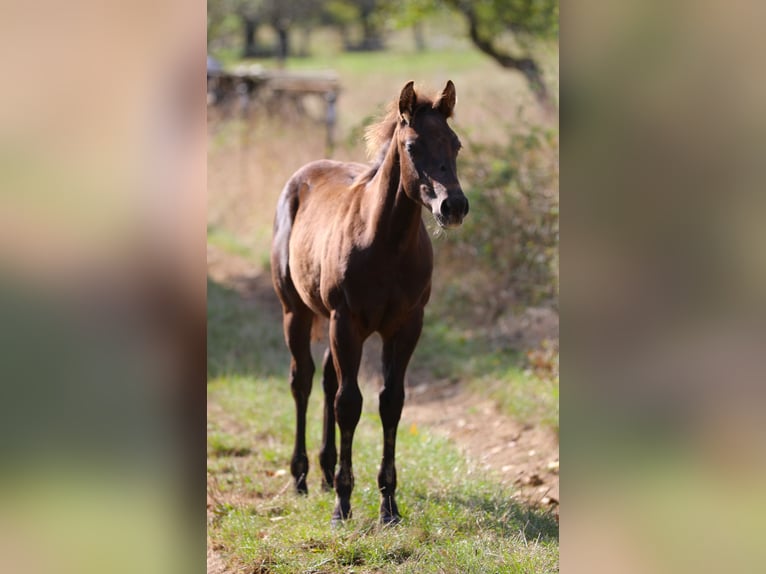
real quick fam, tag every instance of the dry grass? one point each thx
(250, 159)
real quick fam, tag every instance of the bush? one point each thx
(506, 254)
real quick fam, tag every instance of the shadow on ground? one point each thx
(505, 516)
(244, 328)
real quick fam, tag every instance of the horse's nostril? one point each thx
(457, 206)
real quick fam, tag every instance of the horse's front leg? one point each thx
(397, 351)
(346, 349)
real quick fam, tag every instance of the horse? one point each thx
(349, 245)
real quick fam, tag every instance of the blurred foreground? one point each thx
(663, 428)
(102, 159)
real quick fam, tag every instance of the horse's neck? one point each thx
(395, 218)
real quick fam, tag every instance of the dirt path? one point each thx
(524, 456)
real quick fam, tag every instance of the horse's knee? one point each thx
(301, 375)
(391, 402)
(330, 386)
(348, 407)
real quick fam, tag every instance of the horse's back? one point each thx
(323, 177)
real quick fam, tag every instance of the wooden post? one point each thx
(331, 119)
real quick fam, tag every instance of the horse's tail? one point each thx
(287, 207)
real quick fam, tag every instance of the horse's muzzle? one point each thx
(452, 211)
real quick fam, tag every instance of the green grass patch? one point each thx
(455, 518)
(362, 64)
(220, 444)
(243, 336)
(228, 242)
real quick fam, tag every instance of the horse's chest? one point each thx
(383, 296)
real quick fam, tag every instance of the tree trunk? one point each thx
(420, 40)
(343, 30)
(371, 39)
(250, 48)
(283, 46)
(305, 42)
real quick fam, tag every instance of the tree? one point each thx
(491, 23)
(370, 15)
(281, 15)
(372, 38)
(341, 14)
(410, 14)
(525, 20)
(220, 16)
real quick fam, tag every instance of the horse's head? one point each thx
(428, 150)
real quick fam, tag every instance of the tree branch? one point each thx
(526, 66)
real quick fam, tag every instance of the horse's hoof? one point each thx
(341, 513)
(390, 519)
(389, 512)
(326, 486)
(338, 521)
(301, 487)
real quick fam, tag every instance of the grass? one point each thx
(455, 519)
(227, 241)
(355, 64)
(243, 336)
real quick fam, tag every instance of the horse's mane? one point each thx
(377, 136)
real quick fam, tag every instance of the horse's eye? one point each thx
(412, 148)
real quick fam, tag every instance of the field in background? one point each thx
(460, 516)
(250, 160)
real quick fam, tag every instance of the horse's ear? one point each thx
(407, 101)
(445, 103)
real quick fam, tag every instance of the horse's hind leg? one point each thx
(297, 325)
(328, 455)
(397, 351)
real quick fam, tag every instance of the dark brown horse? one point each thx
(349, 244)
